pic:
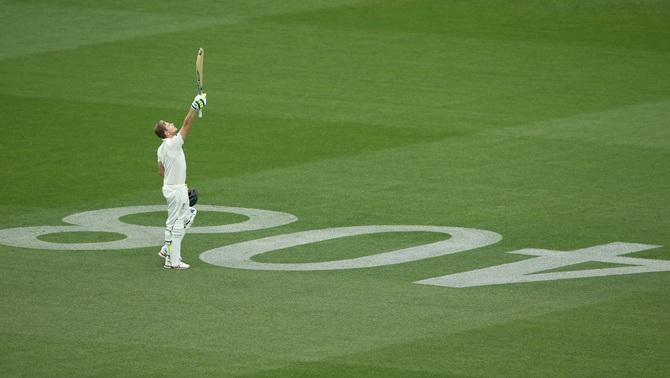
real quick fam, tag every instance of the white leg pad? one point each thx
(177, 237)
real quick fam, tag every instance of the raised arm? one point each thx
(186, 126)
(199, 102)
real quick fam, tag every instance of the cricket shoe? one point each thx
(182, 265)
(189, 222)
(164, 251)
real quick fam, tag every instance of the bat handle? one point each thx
(200, 110)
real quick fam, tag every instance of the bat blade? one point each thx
(199, 72)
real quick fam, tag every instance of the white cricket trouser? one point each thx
(177, 202)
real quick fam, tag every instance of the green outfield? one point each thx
(544, 122)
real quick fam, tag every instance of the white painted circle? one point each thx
(239, 255)
(110, 218)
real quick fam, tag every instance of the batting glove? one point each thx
(199, 102)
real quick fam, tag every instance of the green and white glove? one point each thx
(199, 102)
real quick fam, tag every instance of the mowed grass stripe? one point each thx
(362, 76)
(38, 28)
(579, 23)
(644, 125)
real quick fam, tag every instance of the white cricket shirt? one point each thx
(172, 156)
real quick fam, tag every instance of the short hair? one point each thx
(160, 129)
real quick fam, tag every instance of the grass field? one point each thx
(547, 122)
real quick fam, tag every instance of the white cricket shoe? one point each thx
(164, 251)
(189, 222)
(181, 265)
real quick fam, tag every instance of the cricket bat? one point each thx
(199, 67)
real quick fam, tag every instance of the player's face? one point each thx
(171, 129)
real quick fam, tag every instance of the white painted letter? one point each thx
(108, 220)
(530, 270)
(239, 255)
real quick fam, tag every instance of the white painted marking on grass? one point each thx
(137, 236)
(239, 255)
(109, 218)
(529, 270)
